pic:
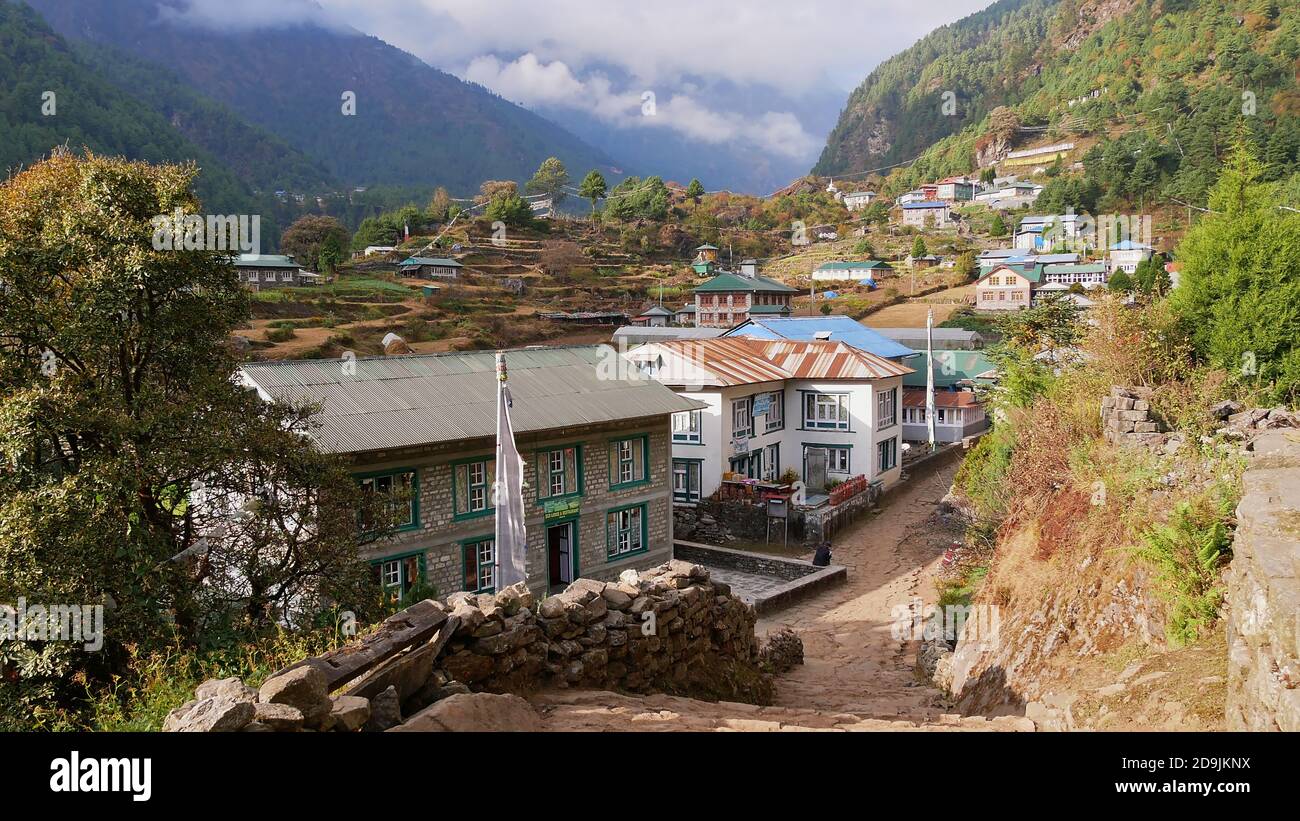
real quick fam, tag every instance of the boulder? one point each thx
(350, 713)
(302, 687)
(279, 717)
(475, 712)
(231, 688)
(210, 715)
(385, 712)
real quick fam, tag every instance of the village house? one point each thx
(430, 268)
(957, 416)
(1008, 287)
(729, 299)
(854, 271)
(595, 441)
(824, 410)
(629, 336)
(958, 411)
(259, 271)
(858, 200)
(1127, 255)
(656, 316)
(1043, 233)
(1088, 274)
(685, 315)
(927, 214)
(955, 189)
(915, 195)
(1011, 195)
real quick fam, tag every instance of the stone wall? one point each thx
(669, 629)
(1126, 416)
(1262, 606)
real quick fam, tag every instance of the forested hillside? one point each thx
(1156, 89)
(412, 124)
(85, 111)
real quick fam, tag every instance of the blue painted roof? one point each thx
(1129, 245)
(912, 206)
(844, 329)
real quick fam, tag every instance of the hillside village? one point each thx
(932, 445)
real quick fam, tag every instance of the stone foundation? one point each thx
(669, 629)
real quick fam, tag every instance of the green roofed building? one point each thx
(952, 369)
(729, 299)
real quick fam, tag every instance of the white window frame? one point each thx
(830, 411)
(742, 408)
(692, 432)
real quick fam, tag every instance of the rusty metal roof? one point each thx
(377, 403)
(745, 361)
(942, 399)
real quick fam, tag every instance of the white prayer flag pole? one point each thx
(508, 493)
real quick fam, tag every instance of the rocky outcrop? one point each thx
(670, 629)
(1263, 598)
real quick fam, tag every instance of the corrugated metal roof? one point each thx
(842, 329)
(395, 402)
(746, 361)
(942, 399)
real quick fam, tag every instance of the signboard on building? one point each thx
(553, 509)
(740, 446)
(762, 404)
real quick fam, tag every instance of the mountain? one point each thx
(413, 125)
(1152, 93)
(986, 60)
(87, 111)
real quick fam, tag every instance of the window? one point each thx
(776, 411)
(472, 483)
(479, 560)
(559, 472)
(686, 480)
(686, 427)
(625, 531)
(741, 421)
(398, 574)
(772, 462)
(287, 276)
(826, 410)
(627, 461)
(837, 460)
(403, 491)
(886, 404)
(252, 276)
(750, 465)
(886, 455)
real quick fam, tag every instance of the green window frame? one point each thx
(562, 478)
(397, 574)
(478, 562)
(887, 455)
(383, 481)
(626, 532)
(471, 487)
(825, 411)
(629, 462)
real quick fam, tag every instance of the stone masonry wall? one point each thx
(1262, 606)
(1126, 416)
(669, 629)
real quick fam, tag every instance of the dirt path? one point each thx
(855, 675)
(852, 663)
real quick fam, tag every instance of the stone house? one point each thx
(927, 214)
(258, 271)
(596, 443)
(1008, 287)
(430, 268)
(729, 299)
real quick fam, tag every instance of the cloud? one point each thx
(530, 81)
(248, 15)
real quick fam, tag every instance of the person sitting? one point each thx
(822, 557)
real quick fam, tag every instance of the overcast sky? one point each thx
(601, 56)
